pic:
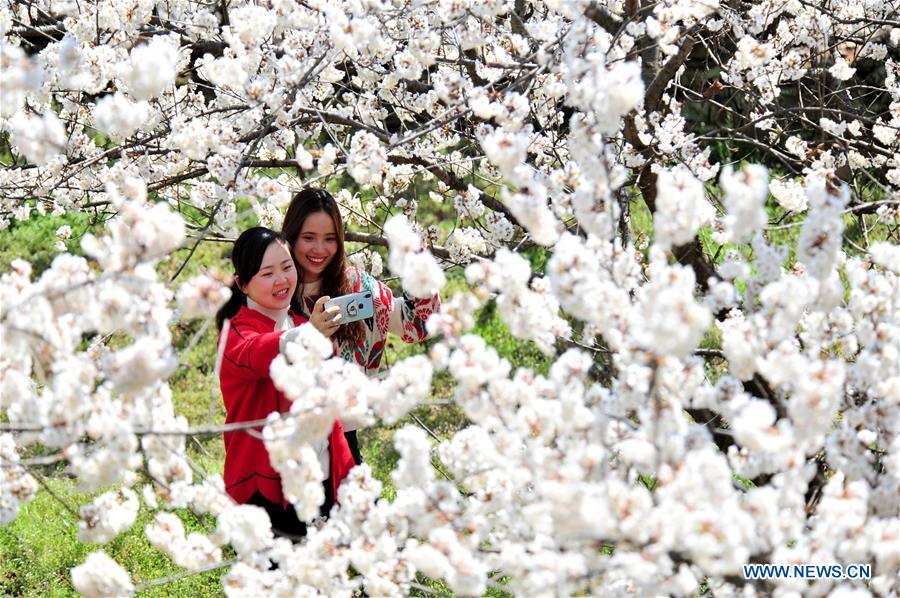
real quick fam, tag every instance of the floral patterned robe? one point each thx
(403, 316)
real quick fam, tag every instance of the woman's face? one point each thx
(316, 245)
(273, 286)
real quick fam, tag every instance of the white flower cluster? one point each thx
(468, 203)
(100, 576)
(352, 210)
(671, 322)
(790, 195)
(501, 229)
(542, 127)
(464, 243)
(16, 485)
(681, 208)
(152, 67)
(297, 440)
(506, 150)
(20, 76)
(592, 280)
(368, 260)
(107, 516)
(820, 237)
(94, 394)
(41, 139)
(418, 270)
(886, 255)
(366, 159)
(408, 383)
(119, 117)
(225, 71)
(194, 551)
(63, 234)
(246, 527)
(201, 296)
(526, 305)
(745, 196)
(142, 232)
(195, 138)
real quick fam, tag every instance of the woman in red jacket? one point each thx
(257, 315)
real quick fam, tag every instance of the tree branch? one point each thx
(665, 75)
(603, 18)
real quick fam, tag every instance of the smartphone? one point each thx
(354, 307)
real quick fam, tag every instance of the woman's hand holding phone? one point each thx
(325, 320)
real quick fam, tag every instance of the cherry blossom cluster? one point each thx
(418, 269)
(721, 388)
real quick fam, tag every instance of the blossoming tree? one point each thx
(541, 127)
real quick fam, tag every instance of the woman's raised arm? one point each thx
(409, 315)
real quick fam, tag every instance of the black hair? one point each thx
(247, 256)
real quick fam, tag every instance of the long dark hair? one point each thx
(247, 256)
(335, 281)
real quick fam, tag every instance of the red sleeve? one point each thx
(249, 352)
(341, 457)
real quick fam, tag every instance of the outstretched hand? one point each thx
(326, 321)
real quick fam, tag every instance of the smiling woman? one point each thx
(316, 245)
(258, 315)
(273, 286)
(314, 230)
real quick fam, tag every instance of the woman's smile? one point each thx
(273, 285)
(316, 245)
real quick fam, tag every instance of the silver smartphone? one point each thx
(354, 307)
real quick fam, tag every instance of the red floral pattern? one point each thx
(414, 314)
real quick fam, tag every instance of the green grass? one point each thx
(35, 240)
(38, 549)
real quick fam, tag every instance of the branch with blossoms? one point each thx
(663, 197)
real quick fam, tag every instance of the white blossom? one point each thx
(119, 117)
(790, 195)
(841, 70)
(821, 233)
(246, 527)
(886, 255)
(745, 196)
(418, 270)
(193, 552)
(40, 139)
(201, 296)
(17, 484)
(99, 576)
(152, 67)
(506, 150)
(681, 208)
(366, 159)
(20, 76)
(108, 516)
(796, 146)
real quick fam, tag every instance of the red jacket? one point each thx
(249, 394)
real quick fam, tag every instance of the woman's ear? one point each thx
(240, 285)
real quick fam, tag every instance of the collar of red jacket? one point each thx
(262, 320)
